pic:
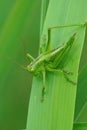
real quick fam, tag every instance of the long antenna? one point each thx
(24, 50)
(14, 61)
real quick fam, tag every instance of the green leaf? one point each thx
(81, 98)
(44, 7)
(80, 126)
(81, 93)
(57, 110)
(82, 117)
(83, 61)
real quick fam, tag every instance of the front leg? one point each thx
(43, 45)
(30, 58)
(46, 47)
(49, 45)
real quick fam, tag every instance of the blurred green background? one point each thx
(19, 33)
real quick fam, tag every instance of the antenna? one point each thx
(13, 60)
(24, 50)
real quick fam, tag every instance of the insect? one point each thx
(50, 60)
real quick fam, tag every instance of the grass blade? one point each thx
(81, 98)
(80, 126)
(57, 111)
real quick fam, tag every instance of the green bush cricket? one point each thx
(50, 59)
